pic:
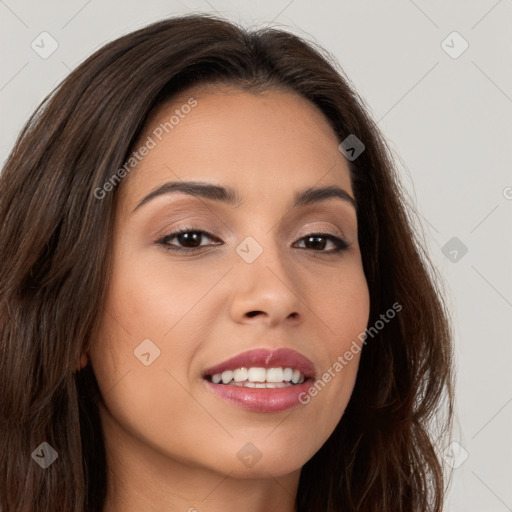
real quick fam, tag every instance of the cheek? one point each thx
(341, 303)
(342, 306)
(150, 401)
(348, 315)
(152, 297)
(154, 314)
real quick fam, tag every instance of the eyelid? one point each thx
(310, 228)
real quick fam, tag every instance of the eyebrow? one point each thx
(229, 195)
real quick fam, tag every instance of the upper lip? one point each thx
(265, 358)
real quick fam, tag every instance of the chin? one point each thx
(263, 458)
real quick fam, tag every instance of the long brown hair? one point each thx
(55, 237)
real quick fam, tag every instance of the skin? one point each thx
(171, 443)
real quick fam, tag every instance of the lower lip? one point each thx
(260, 399)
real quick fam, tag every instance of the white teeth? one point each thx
(275, 375)
(278, 384)
(257, 374)
(240, 374)
(227, 376)
(259, 377)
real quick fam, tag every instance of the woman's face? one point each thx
(265, 286)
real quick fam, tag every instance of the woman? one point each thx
(211, 297)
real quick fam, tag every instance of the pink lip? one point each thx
(259, 399)
(264, 358)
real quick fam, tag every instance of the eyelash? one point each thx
(341, 245)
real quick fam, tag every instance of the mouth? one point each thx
(261, 380)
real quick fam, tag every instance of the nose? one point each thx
(266, 292)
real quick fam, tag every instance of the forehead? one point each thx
(256, 143)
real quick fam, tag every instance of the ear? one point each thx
(83, 362)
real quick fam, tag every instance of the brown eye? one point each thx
(318, 242)
(187, 239)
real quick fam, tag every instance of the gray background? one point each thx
(448, 121)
